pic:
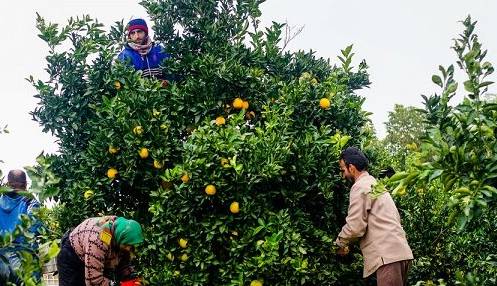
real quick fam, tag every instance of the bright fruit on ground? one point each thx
(157, 164)
(111, 173)
(113, 150)
(256, 283)
(210, 190)
(238, 103)
(143, 153)
(235, 207)
(220, 121)
(245, 105)
(183, 243)
(138, 130)
(88, 194)
(324, 103)
(117, 85)
(185, 178)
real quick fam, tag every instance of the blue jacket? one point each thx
(12, 206)
(149, 64)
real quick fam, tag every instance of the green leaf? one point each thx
(468, 86)
(443, 71)
(347, 51)
(53, 250)
(462, 220)
(486, 83)
(437, 80)
(344, 140)
(452, 87)
(398, 176)
(435, 175)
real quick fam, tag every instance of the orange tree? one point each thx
(231, 167)
(448, 192)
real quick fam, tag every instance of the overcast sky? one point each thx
(403, 42)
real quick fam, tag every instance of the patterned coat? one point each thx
(97, 256)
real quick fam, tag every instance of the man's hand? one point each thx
(342, 251)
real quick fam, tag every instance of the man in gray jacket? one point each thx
(375, 222)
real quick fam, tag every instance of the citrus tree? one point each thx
(448, 190)
(231, 167)
(460, 148)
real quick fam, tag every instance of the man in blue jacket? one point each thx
(141, 52)
(13, 204)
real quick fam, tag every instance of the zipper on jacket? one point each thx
(148, 65)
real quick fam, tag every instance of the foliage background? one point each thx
(450, 179)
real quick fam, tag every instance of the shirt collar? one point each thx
(361, 177)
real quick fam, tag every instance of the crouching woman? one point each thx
(98, 251)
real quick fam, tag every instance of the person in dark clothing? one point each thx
(141, 52)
